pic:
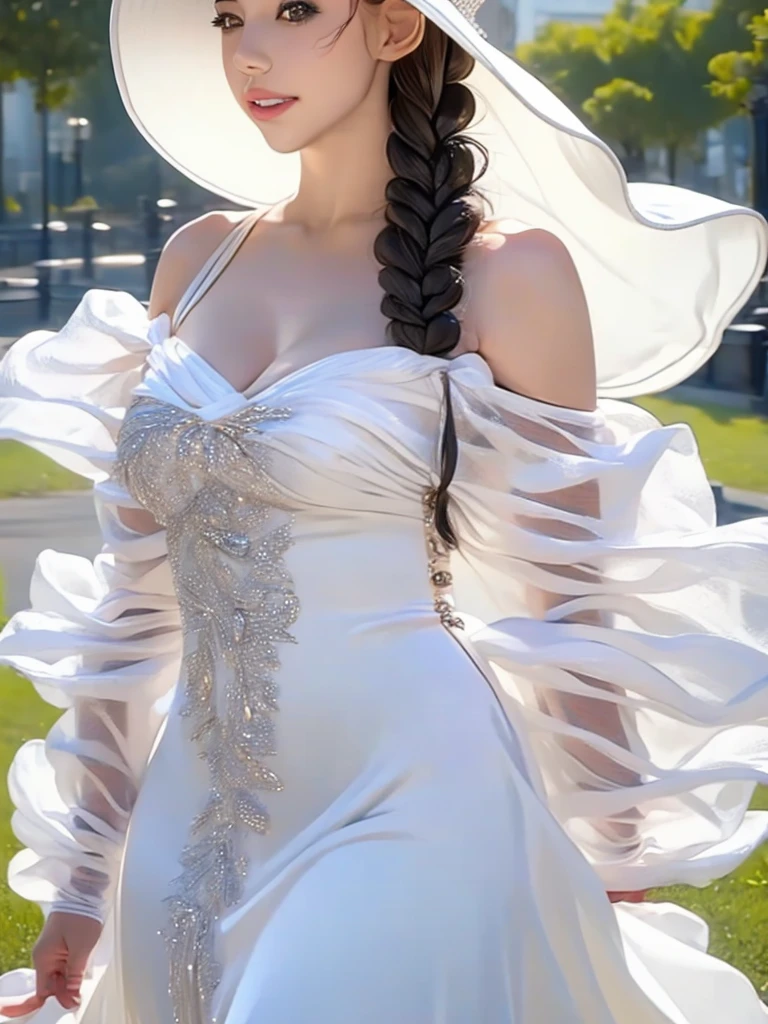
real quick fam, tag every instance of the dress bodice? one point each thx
(187, 427)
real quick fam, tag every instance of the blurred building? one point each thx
(22, 149)
(499, 19)
(21, 137)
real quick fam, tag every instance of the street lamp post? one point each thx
(155, 214)
(2, 154)
(81, 128)
(757, 104)
(45, 201)
(60, 148)
(758, 108)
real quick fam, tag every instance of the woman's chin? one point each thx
(280, 141)
(278, 132)
(281, 145)
(285, 133)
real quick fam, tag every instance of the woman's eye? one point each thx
(226, 22)
(296, 11)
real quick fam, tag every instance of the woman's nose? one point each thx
(250, 58)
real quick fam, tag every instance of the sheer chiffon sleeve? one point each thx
(101, 638)
(625, 633)
(594, 708)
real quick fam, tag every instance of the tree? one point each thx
(728, 29)
(640, 76)
(572, 59)
(735, 72)
(9, 72)
(740, 78)
(619, 111)
(59, 40)
(666, 52)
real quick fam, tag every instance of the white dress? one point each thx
(354, 807)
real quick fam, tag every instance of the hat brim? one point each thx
(664, 269)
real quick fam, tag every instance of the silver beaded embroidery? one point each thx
(438, 553)
(438, 562)
(207, 484)
(469, 9)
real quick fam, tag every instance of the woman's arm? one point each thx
(535, 335)
(101, 639)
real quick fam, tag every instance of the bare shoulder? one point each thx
(184, 254)
(532, 318)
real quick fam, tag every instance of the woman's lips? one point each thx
(265, 106)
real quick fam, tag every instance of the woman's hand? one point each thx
(59, 957)
(628, 897)
(626, 835)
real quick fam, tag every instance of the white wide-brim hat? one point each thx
(665, 269)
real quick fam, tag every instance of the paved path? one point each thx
(66, 522)
(733, 504)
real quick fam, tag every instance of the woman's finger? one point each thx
(628, 897)
(76, 965)
(29, 1005)
(65, 993)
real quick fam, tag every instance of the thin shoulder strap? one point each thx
(214, 266)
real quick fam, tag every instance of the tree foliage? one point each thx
(639, 77)
(737, 71)
(619, 110)
(51, 43)
(54, 42)
(9, 49)
(572, 59)
(9, 71)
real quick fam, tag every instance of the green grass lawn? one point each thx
(24, 717)
(736, 908)
(25, 471)
(733, 444)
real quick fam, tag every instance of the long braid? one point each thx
(432, 214)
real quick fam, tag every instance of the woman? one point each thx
(459, 649)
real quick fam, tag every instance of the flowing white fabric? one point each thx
(681, 628)
(449, 817)
(101, 639)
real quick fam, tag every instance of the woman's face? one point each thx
(292, 70)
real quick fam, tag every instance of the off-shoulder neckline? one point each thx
(253, 391)
(403, 357)
(466, 360)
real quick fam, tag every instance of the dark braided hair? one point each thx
(433, 211)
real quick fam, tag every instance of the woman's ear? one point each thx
(399, 29)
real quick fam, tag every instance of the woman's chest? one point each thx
(267, 317)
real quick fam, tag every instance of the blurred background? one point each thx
(680, 90)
